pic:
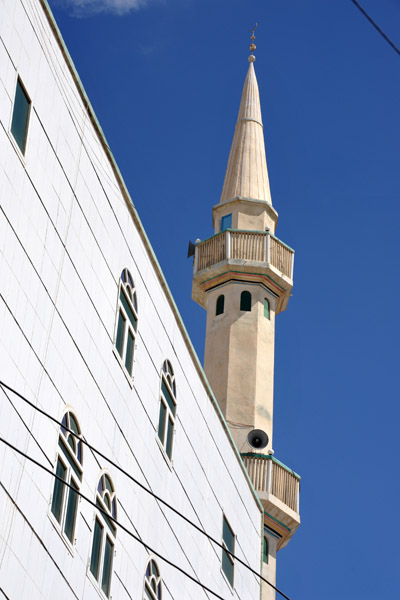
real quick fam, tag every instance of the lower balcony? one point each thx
(278, 489)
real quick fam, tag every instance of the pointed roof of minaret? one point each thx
(246, 174)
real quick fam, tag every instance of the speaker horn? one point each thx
(257, 439)
(191, 249)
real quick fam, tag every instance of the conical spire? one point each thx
(246, 174)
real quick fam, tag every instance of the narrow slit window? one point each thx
(220, 305)
(152, 582)
(20, 117)
(265, 550)
(266, 309)
(245, 301)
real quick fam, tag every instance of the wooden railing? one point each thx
(259, 246)
(268, 475)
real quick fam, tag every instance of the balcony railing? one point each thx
(270, 476)
(258, 246)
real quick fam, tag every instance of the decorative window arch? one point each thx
(69, 467)
(126, 322)
(166, 421)
(104, 534)
(219, 309)
(152, 582)
(265, 549)
(245, 301)
(266, 309)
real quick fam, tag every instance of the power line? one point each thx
(110, 517)
(383, 34)
(143, 487)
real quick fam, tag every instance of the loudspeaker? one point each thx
(191, 249)
(257, 439)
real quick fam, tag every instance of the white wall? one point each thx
(65, 235)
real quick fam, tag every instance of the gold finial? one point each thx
(252, 58)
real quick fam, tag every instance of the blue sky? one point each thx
(165, 79)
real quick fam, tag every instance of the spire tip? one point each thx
(252, 46)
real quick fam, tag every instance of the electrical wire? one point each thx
(111, 518)
(383, 34)
(143, 487)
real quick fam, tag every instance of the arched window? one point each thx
(266, 308)
(265, 550)
(104, 534)
(245, 301)
(220, 305)
(152, 582)
(166, 422)
(127, 318)
(64, 501)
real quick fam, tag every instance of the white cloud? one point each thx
(86, 8)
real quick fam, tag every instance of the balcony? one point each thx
(237, 253)
(278, 488)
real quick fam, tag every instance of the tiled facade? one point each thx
(67, 230)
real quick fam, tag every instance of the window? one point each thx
(64, 501)
(228, 542)
(245, 301)
(166, 420)
(266, 308)
(152, 582)
(226, 222)
(265, 550)
(20, 117)
(104, 534)
(220, 305)
(127, 319)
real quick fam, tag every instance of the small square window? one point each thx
(20, 118)
(226, 222)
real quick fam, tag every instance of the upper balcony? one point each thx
(278, 488)
(238, 253)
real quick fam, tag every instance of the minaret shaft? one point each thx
(239, 358)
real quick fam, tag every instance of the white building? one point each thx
(90, 334)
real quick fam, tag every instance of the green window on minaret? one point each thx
(265, 550)
(266, 308)
(226, 222)
(245, 301)
(220, 305)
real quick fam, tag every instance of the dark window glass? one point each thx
(245, 301)
(128, 309)
(70, 517)
(168, 397)
(266, 308)
(120, 333)
(129, 353)
(106, 579)
(169, 437)
(95, 556)
(226, 222)
(227, 566)
(161, 422)
(228, 540)
(58, 492)
(20, 118)
(220, 305)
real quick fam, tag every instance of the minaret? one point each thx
(243, 277)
